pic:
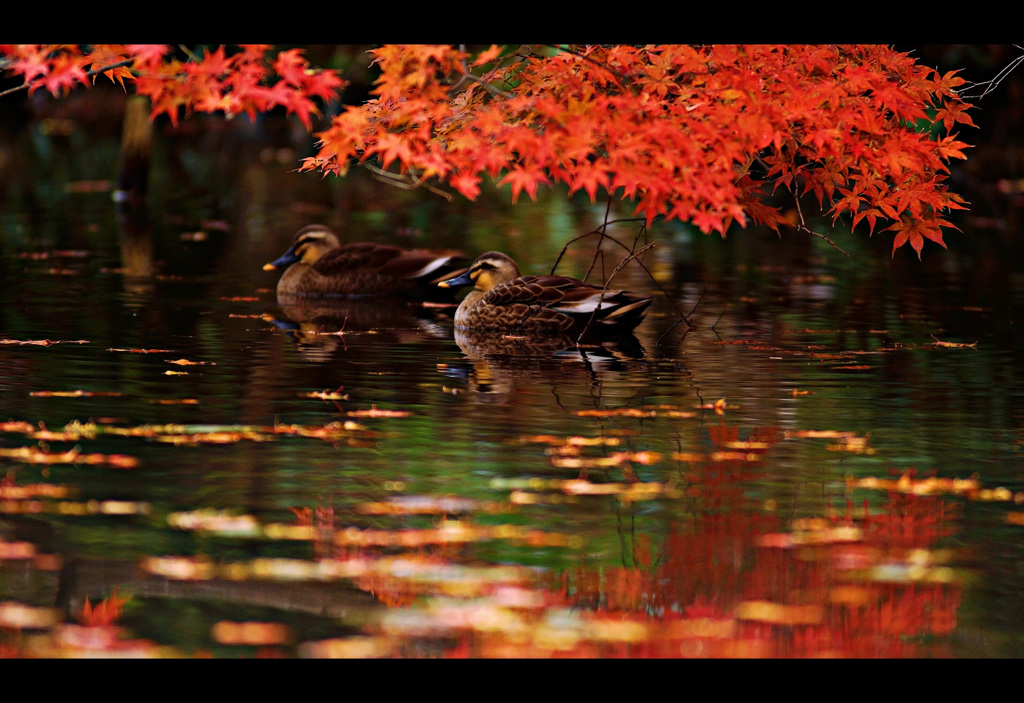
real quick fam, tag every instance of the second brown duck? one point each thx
(505, 300)
(318, 265)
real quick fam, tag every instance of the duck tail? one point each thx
(628, 315)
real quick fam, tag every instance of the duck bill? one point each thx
(286, 259)
(463, 280)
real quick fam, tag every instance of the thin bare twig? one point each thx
(802, 227)
(405, 181)
(604, 235)
(593, 316)
(990, 85)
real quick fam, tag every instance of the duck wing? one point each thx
(383, 259)
(568, 302)
(566, 295)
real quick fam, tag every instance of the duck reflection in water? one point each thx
(494, 363)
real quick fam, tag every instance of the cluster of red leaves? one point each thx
(702, 134)
(246, 79)
(699, 134)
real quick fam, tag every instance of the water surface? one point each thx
(364, 480)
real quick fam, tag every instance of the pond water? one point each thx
(826, 461)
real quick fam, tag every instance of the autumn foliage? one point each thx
(711, 135)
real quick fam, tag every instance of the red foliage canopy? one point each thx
(701, 134)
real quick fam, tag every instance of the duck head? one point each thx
(310, 243)
(489, 270)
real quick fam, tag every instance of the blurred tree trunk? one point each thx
(133, 180)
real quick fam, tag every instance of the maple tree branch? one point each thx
(190, 54)
(802, 227)
(468, 76)
(406, 182)
(90, 72)
(990, 85)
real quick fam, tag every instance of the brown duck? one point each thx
(505, 300)
(318, 265)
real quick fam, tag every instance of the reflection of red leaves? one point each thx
(106, 612)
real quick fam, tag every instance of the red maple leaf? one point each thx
(916, 231)
(525, 178)
(291, 66)
(32, 61)
(148, 55)
(65, 72)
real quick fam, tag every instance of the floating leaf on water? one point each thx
(34, 490)
(262, 634)
(218, 521)
(719, 406)
(690, 456)
(75, 394)
(44, 342)
(575, 441)
(820, 434)
(33, 455)
(374, 411)
(907, 483)
(142, 351)
(290, 532)
(186, 362)
(347, 648)
(748, 445)
(743, 456)
(448, 533)
(953, 345)
(327, 395)
(429, 505)
(779, 613)
(16, 551)
(618, 412)
(854, 445)
(911, 573)
(25, 617)
(181, 568)
(612, 460)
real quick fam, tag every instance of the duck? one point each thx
(318, 265)
(504, 299)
